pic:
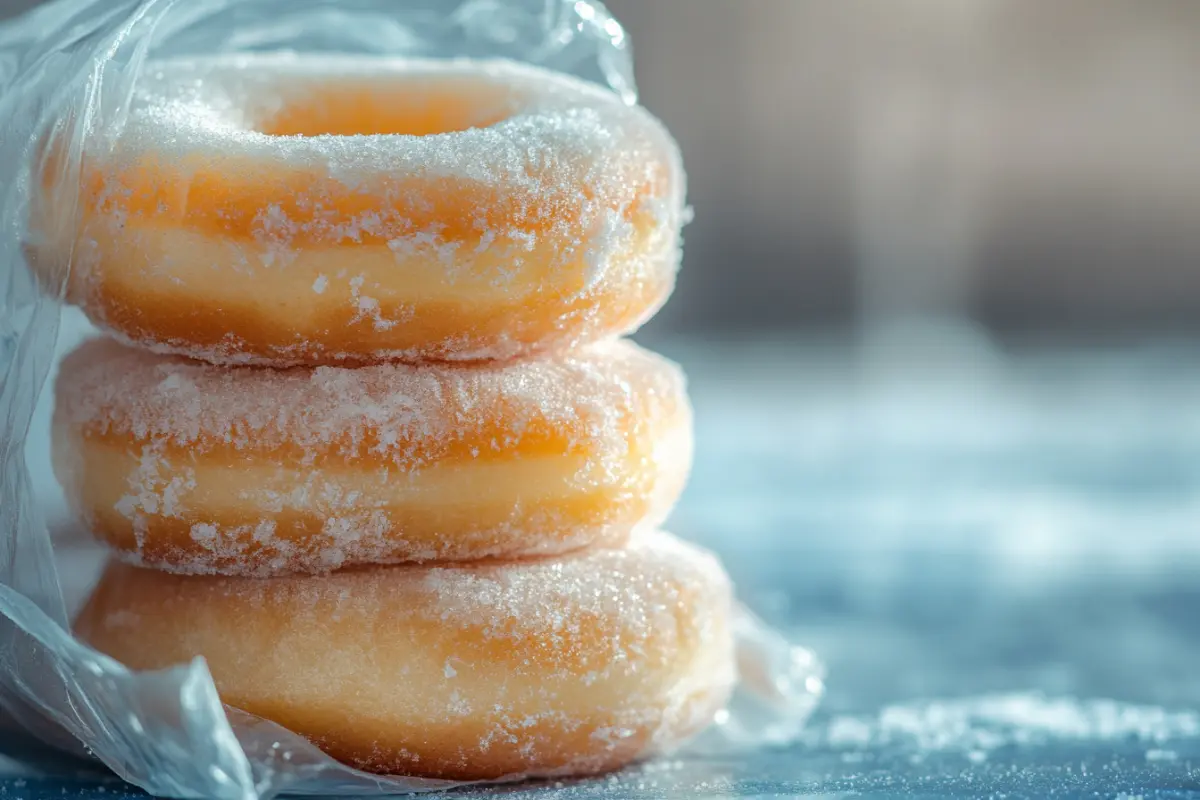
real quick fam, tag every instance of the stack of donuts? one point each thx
(362, 434)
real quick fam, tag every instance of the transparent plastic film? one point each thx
(68, 72)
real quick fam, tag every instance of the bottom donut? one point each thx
(567, 666)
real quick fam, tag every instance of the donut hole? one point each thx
(425, 110)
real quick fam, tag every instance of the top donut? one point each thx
(285, 210)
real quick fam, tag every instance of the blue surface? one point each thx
(999, 565)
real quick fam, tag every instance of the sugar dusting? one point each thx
(978, 726)
(328, 443)
(609, 649)
(390, 413)
(578, 195)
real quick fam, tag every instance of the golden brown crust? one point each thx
(574, 665)
(225, 324)
(195, 468)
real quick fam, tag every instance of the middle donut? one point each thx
(188, 467)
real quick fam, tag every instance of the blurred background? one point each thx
(1031, 166)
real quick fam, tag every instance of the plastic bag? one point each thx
(66, 72)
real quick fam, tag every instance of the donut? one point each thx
(281, 210)
(572, 665)
(191, 467)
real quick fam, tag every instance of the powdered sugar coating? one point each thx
(565, 666)
(191, 467)
(550, 214)
(204, 108)
(404, 415)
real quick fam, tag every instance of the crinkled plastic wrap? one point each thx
(66, 74)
